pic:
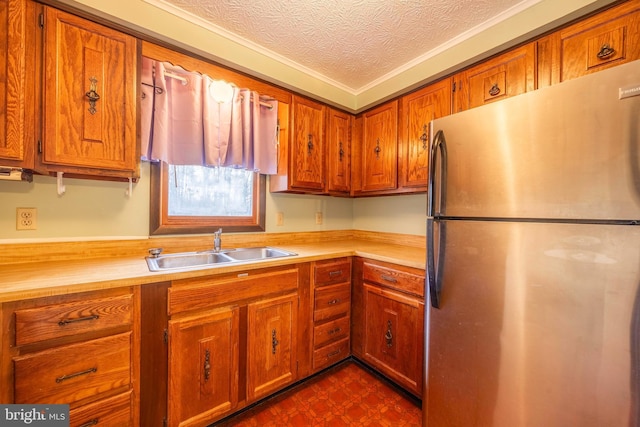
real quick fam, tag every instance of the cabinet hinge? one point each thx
(41, 20)
(164, 422)
(165, 336)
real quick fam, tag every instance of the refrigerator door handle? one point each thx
(435, 207)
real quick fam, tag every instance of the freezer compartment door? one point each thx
(538, 325)
(567, 151)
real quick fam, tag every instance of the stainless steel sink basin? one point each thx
(246, 254)
(186, 260)
(207, 259)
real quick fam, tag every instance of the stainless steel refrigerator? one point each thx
(533, 259)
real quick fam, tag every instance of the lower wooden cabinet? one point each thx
(80, 350)
(271, 345)
(214, 344)
(331, 312)
(388, 321)
(203, 366)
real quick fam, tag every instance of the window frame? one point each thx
(160, 222)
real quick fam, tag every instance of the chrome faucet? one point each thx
(217, 240)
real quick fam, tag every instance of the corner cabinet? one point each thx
(388, 321)
(338, 152)
(17, 92)
(89, 78)
(376, 164)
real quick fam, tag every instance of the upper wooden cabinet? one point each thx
(17, 65)
(338, 152)
(89, 98)
(307, 145)
(508, 74)
(376, 164)
(605, 40)
(416, 111)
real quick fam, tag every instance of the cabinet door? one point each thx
(307, 150)
(379, 154)
(608, 39)
(89, 97)
(203, 367)
(393, 336)
(339, 152)
(417, 110)
(506, 75)
(271, 344)
(17, 105)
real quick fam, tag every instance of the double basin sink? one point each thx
(206, 259)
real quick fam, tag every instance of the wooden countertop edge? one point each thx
(51, 278)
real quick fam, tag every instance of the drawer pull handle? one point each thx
(79, 319)
(333, 301)
(335, 273)
(389, 278)
(334, 331)
(77, 374)
(333, 353)
(93, 422)
(606, 52)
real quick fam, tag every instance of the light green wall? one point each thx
(101, 210)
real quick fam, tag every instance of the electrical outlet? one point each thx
(26, 219)
(318, 218)
(279, 219)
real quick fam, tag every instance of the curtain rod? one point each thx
(184, 81)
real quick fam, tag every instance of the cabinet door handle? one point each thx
(93, 422)
(424, 138)
(77, 374)
(93, 95)
(334, 331)
(495, 90)
(310, 144)
(388, 336)
(340, 151)
(377, 150)
(389, 278)
(207, 364)
(274, 342)
(65, 322)
(335, 273)
(333, 301)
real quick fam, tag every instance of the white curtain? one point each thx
(190, 119)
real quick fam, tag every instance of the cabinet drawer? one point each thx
(74, 372)
(337, 271)
(395, 279)
(61, 320)
(330, 354)
(331, 331)
(332, 301)
(208, 292)
(111, 412)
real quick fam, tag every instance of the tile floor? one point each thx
(346, 395)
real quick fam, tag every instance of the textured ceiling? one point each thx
(353, 44)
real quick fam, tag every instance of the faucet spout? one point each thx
(217, 240)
